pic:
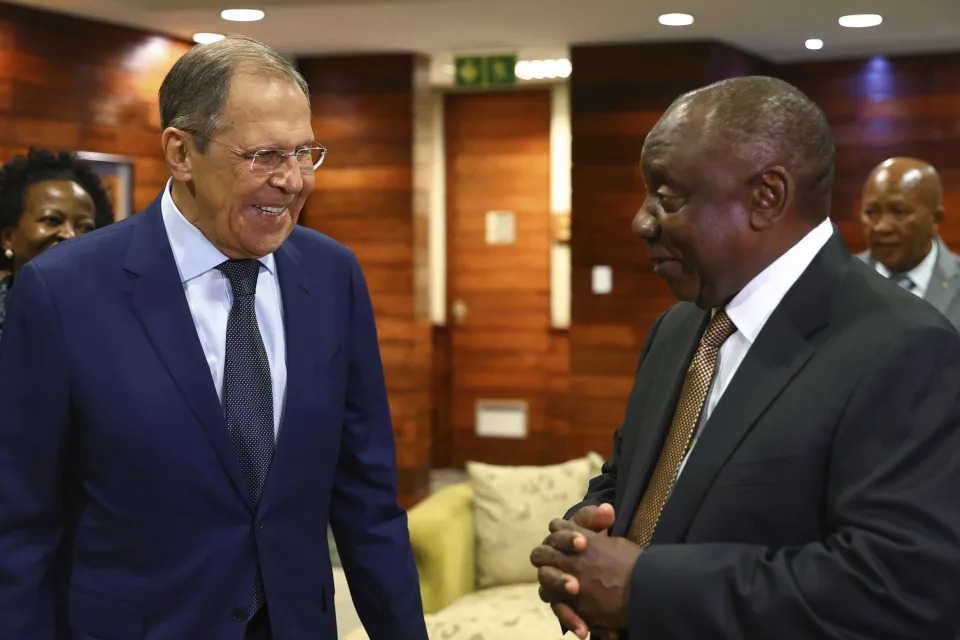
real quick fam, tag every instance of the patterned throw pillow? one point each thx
(514, 505)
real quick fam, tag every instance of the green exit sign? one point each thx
(500, 70)
(477, 72)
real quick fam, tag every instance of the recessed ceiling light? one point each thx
(675, 19)
(814, 43)
(860, 20)
(242, 15)
(207, 38)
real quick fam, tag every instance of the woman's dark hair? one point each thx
(42, 164)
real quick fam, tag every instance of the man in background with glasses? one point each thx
(197, 392)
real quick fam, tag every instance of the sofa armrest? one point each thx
(443, 537)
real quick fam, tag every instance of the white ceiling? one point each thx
(775, 29)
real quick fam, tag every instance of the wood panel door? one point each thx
(498, 295)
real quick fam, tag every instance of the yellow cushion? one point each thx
(442, 537)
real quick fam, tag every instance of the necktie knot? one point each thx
(903, 280)
(718, 330)
(242, 275)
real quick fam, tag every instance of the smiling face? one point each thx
(53, 211)
(696, 216)
(243, 214)
(901, 212)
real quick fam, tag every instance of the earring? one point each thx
(8, 254)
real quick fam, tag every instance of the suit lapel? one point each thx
(311, 339)
(160, 305)
(780, 351)
(945, 282)
(663, 396)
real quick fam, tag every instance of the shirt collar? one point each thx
(752, 306)
(921, 274)
(193, 253)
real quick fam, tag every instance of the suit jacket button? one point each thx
(239, 614)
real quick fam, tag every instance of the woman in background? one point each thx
(45, 198)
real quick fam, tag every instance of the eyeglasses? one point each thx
(265, 162)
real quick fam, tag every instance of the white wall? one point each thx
(561, 163)
(438, 218)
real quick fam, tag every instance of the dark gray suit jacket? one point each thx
(944, 290)
(821, 500)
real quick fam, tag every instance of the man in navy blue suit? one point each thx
(190, 397)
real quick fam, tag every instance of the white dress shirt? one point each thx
(751, 308)
(210, 297)
(920, 275)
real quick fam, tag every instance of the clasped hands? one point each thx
(585, 574)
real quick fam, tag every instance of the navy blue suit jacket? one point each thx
(123, 512)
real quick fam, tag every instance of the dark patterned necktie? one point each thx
(248, 389)
(696, 384)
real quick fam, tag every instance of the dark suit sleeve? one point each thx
(369, 526)
(603, 488)
(34, 421)
(888, 565)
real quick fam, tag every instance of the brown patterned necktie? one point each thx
(689, 406)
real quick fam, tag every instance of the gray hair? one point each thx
(196, 89)
(777, 121)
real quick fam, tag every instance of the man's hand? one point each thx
(589, 571)
(593, 518)
(596, 519)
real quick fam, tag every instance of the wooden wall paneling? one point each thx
(372, 113)
(72, 84)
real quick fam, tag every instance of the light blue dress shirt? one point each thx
(210, 298)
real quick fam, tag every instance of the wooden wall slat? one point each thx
(365, 110)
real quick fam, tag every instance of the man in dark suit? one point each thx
(901, 211)
(191, 396)
(788, 463)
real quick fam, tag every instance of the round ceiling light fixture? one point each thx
(675, 19)
(242, 15)
(860, 20)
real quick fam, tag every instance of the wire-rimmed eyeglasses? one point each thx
(265, 162)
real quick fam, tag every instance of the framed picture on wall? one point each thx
(116, 174)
